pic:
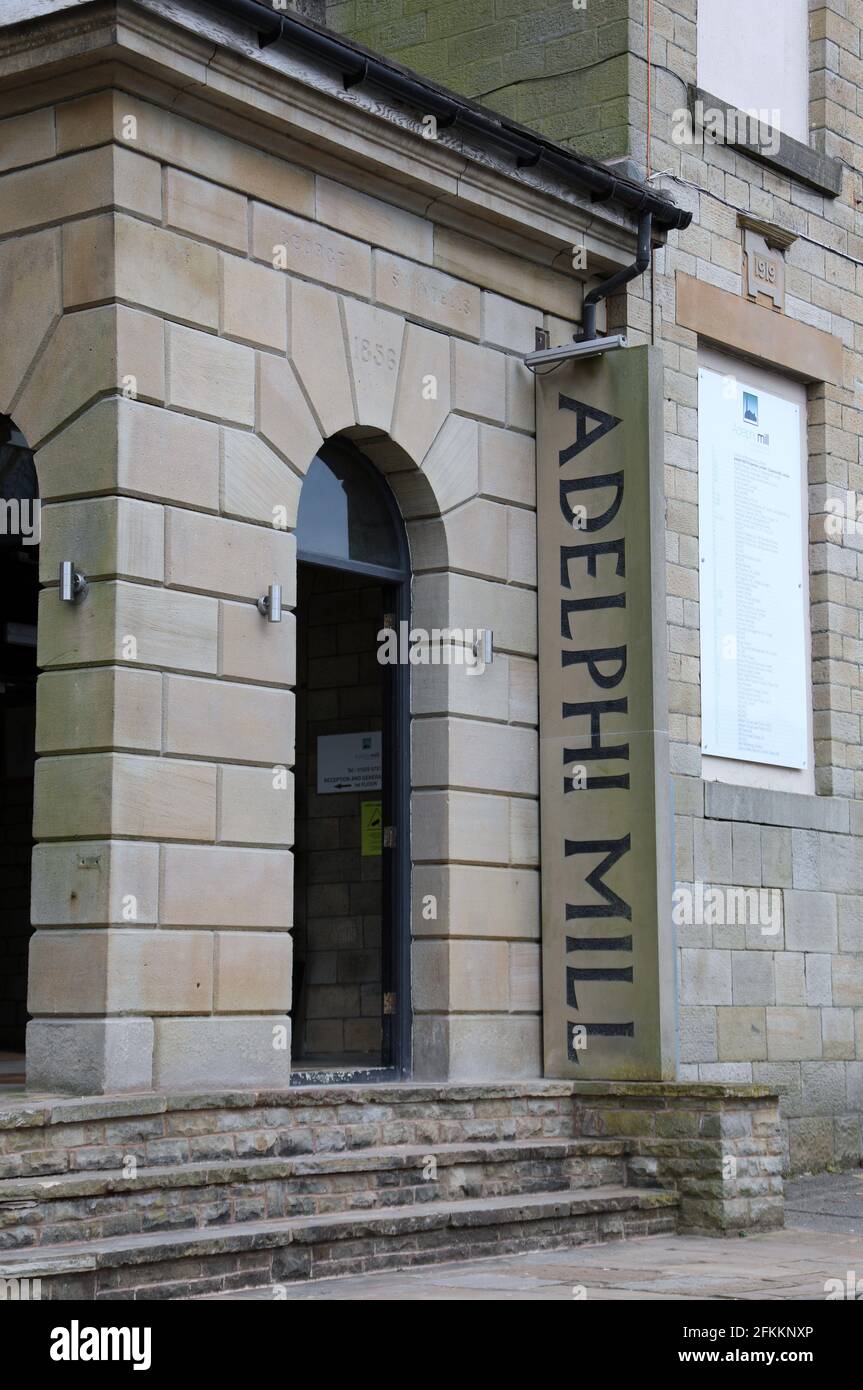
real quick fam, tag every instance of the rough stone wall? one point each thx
(786, 1011)
(781, 1009)
(309, 9)
(564, 71)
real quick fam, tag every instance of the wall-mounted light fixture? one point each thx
(567, 352)
(483, 647)
(270, 606)
(73, 584)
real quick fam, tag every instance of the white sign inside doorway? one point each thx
(349, 762)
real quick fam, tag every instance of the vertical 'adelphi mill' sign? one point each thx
(608, 967)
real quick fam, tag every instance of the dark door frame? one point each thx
(19, 574)
(396, 584)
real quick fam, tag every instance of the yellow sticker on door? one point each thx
(371, 821)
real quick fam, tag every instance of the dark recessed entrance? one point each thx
(19, 597)
(351, 901)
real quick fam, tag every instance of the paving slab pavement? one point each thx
(822, 1243)
(826, 1202)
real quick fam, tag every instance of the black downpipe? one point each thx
(528, 149)
(621, 277)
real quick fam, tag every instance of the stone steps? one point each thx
(154, 1194)
(91, 1205)
(58, 1135)
(188, 1264)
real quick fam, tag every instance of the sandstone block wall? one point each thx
(786, 1009)
(192, 314)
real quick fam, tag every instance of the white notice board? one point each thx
(349, 762)
(753, 639)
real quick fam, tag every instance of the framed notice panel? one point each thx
(349, 762)
(754, 672)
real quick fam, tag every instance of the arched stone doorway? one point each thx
(351, 1009)
(166, 806)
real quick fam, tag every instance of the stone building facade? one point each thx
(268, 303)
(222, 255)
(216, 263)
(785, 1010)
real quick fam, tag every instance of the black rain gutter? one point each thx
(619, 279)
(528, 148)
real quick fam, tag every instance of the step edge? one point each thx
(51, 1110)
(151, 1248)
(212, 1172)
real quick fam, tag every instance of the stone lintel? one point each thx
(723, 801)
(759, 334)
